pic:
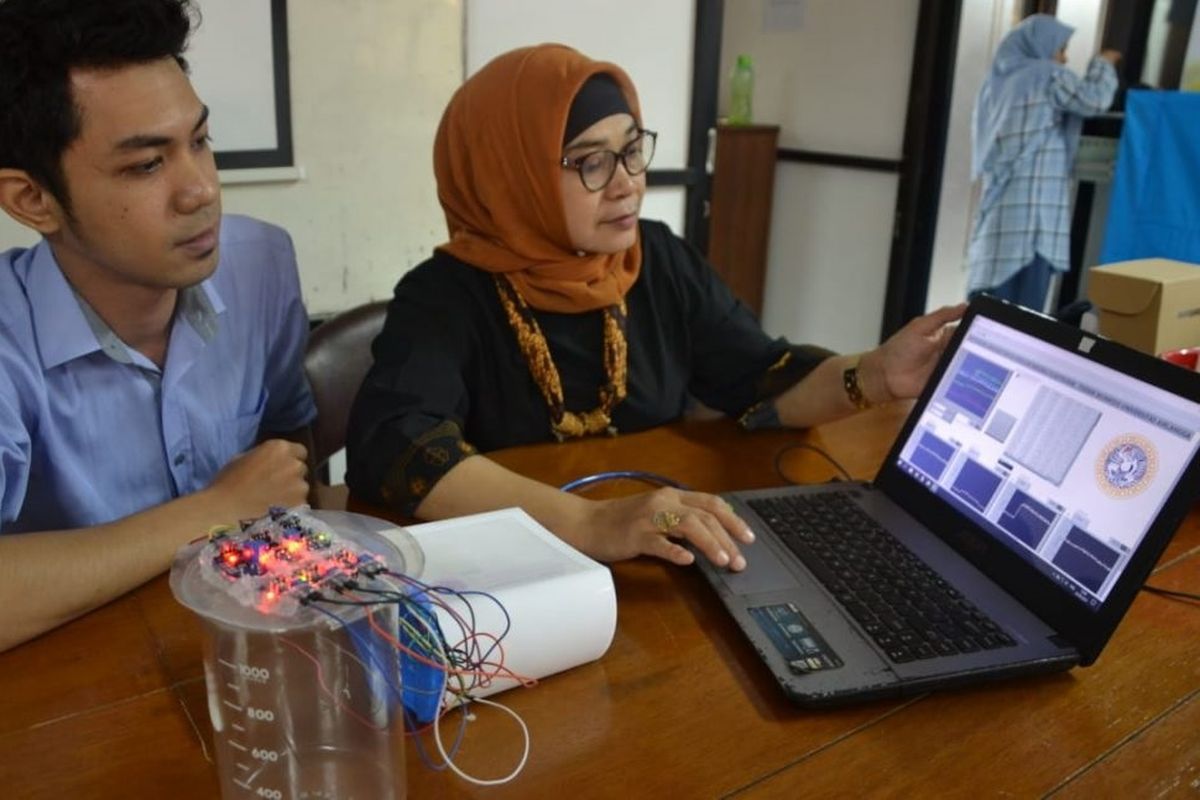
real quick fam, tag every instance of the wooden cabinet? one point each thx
(740, 208)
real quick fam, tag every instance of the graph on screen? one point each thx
(1026, 519)
(975, 386)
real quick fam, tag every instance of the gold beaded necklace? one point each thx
(566, 424)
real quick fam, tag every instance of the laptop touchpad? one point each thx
(764, 572)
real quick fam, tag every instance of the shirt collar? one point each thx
(68, 328)
(108, 341)
(200, 306)
(61, 328)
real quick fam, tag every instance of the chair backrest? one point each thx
(337, 360)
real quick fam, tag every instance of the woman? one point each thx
(554, 312)
(1028, 117)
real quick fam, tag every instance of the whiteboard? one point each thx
(236, 66)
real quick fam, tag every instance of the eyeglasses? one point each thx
(597, 168)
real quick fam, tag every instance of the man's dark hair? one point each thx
(42, 41)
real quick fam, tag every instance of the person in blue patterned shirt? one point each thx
(1026, 127)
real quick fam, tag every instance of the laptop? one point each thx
(1035, 484)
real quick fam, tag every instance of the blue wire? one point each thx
(461, 595)
(414, 723)
(367, 650)
(632, 474)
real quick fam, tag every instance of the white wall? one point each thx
(827, 262)
(369, 80)
(14, 235)
(839, 84)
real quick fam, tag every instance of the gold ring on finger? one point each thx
(666, 521)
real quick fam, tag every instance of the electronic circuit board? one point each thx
(274, 563)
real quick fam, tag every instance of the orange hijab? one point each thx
(496, 159)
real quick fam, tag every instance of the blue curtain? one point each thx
(1155, 206)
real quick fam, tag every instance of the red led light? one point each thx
(280, 568)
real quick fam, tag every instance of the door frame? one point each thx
(930, 91)
(694, 178)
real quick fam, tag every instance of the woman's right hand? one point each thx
(654, 523)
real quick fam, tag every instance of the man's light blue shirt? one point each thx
(92, 430)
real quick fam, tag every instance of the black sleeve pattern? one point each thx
(429, 457)
(785, 373)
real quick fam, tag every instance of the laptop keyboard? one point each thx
(910, 611)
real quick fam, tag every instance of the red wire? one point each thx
(324, 687)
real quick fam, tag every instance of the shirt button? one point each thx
(179, 459)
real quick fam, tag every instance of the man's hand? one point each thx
(275, 473)
(1111, 56)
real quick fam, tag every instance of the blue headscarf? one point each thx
(1023, 66)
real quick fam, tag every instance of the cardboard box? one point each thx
(1152, 304)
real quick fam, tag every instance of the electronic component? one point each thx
(276, 563)
(333, 598)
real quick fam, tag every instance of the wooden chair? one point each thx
(337, 360)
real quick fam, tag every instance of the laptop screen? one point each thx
(1064, 461)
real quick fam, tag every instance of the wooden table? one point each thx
(113, 705)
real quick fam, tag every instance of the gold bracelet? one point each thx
(853, 388)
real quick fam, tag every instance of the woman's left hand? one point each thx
(902, 365)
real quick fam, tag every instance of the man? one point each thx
(146, 344)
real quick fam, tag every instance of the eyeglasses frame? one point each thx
(576, 164)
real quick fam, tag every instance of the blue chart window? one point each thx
(931, 455)
(1085, 559)
(1026, 519)
(975, 485)
(975, 385)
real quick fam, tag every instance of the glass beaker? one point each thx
(305, 704)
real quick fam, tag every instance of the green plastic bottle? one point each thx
(741, 92)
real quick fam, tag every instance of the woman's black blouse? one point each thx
(449, 380)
